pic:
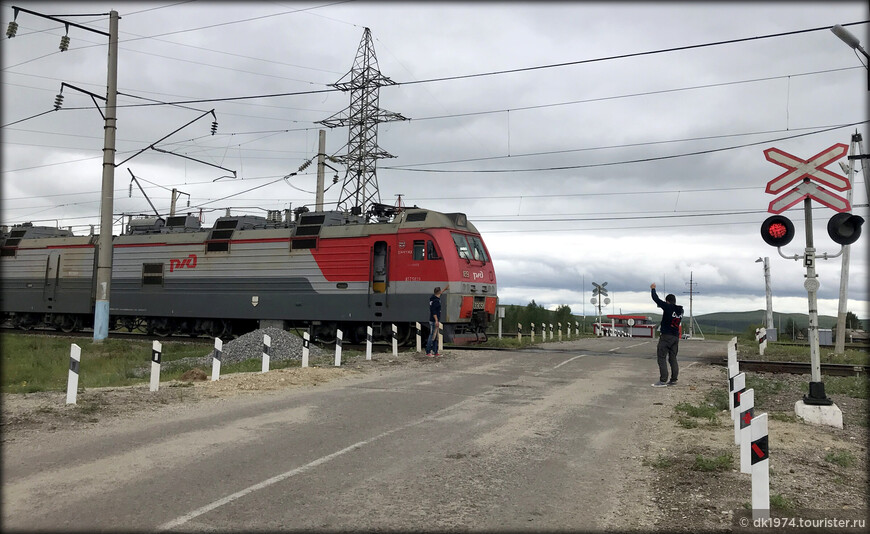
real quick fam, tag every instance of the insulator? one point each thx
(213, 127)
(12, 29)
(58, 101)
(305, 165)
(64, 43)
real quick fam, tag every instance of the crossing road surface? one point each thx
(476, 440)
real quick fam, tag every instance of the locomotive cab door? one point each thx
(52, 272)
(380, 269)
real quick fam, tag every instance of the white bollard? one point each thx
(216, 359)
(577, 329)
(760, 468)
(267, 344)
(519, 332)
(419, 338)
(761, 337)
(338, 335)
(560, 331)
(72, 381)
(499, 326)
(532, 332)
(551, 331)
(739, 387)
(747, 411)
(440, 341)
(369, 341)
(733, 370)
(156, 353)
(395, 338)
(306, 344)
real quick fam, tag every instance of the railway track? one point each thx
(830, 369)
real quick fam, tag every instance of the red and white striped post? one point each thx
(760, 468)
(733, 370)
(761, 337)
(156, 355)
(747, 411)
(267, 345)
(216, 359)
(306, 347)
(72, 381)
(738, 386)
(338, 335)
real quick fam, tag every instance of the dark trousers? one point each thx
(432, 340)
(667, 354)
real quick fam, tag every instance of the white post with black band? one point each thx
(72, 382)
(156, 354)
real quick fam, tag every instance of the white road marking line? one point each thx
(567, 361)
(293, 472)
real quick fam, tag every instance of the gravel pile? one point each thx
(285, 346)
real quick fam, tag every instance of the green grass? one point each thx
(781, 503)
(782, 416)
(33, 363)
(800, 353)
(723, 462)
(661, 462)
(841, 458)
(718, 398)
(850, 386)
(702, 411)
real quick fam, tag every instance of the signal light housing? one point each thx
(845, 228)
(777, 231)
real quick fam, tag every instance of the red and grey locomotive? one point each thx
(323, 271)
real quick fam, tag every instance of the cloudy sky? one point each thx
(589, 142)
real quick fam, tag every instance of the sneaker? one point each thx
(672, 383)
(660, 384)
(436, 354)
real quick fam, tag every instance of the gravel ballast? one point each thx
(285, 346)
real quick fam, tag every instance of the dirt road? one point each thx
(568, 440)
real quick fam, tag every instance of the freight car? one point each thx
(321, 271)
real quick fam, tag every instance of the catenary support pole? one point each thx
(842, 307)
(321, 170)
(104, 256)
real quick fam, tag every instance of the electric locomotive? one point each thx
(322, 271)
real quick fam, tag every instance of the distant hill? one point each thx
(738, 322)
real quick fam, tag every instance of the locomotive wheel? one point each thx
(159, 327)
(70, 323)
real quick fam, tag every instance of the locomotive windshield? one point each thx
(469, 247)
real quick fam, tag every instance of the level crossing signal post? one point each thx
(844, 228)
(599, 297)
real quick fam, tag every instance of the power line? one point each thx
(508, 71)
(624, 162)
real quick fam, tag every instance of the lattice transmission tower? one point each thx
(359, 191)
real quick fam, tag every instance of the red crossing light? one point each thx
(777, 231)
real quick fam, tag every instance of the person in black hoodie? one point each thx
(434, 321)
(669, 340)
